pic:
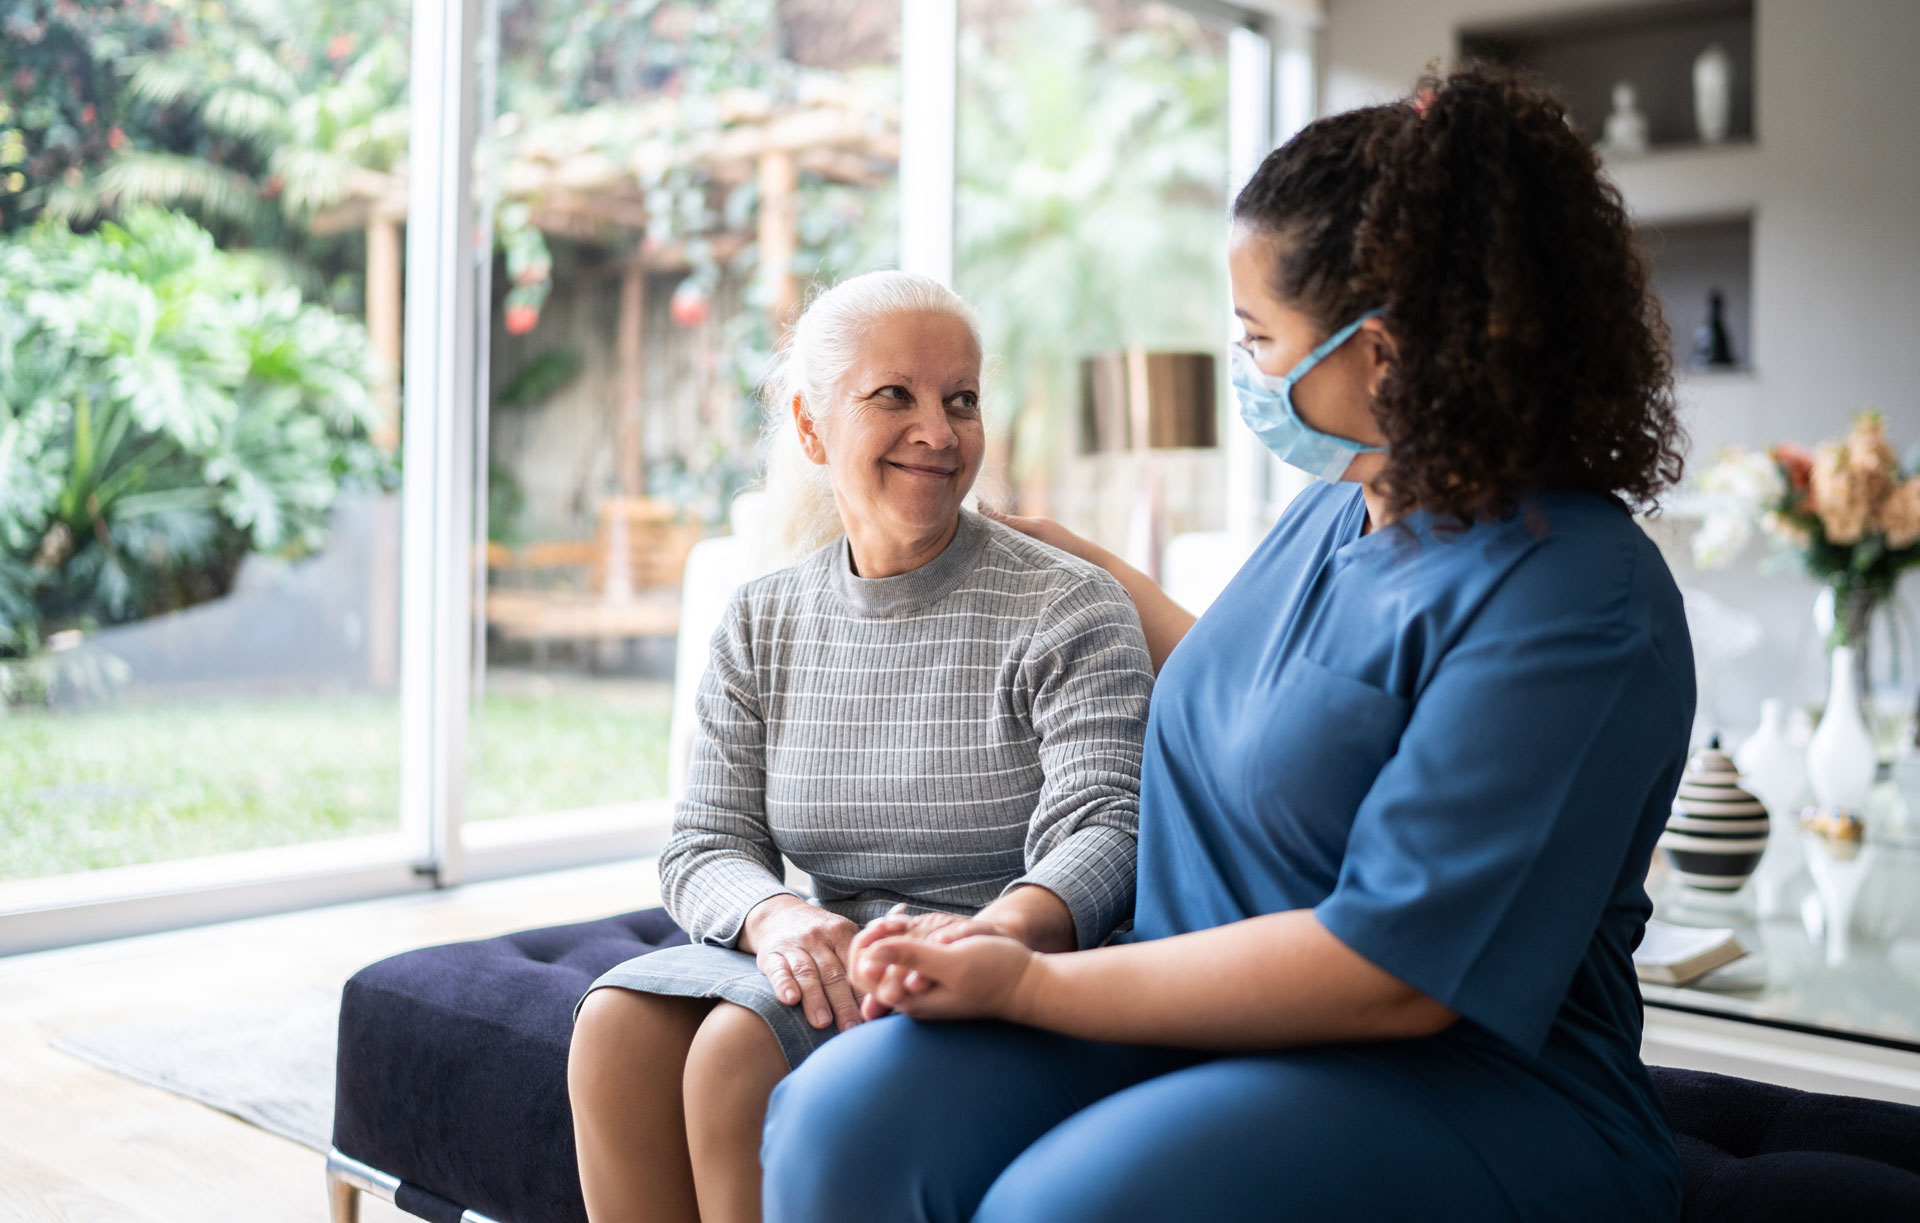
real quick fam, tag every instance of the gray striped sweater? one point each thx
(935, 738)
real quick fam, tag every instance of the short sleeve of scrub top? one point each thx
(1480, 861)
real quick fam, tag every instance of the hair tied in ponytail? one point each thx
(1489, 229)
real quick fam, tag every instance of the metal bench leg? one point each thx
(343, 1198)
(348, 1178)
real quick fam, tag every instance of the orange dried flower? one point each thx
(1900, 515)
(1839, 497)
(1874, 465)
(1797, 462)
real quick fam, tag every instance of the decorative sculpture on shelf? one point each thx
(1711, 347)
(1626, 131)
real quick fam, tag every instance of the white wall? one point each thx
(1833, 182)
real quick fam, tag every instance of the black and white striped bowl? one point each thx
(1718, 829)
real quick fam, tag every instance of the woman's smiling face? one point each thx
(902, 438)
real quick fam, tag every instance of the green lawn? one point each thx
(115, 787)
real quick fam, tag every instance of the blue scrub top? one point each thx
(1458, 749)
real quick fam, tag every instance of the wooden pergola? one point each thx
(586, 176)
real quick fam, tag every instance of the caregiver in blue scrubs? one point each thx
(1401, 781)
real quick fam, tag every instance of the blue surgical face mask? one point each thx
(1266, 404)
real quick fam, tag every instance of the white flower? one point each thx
(1748, 478)
(1783, 530)
(1721, 538)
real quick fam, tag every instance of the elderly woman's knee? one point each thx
(733, 1063)
(620, 1030)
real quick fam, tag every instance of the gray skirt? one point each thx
(699, 971)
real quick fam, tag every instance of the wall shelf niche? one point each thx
(1691, 260)
(1652, 46)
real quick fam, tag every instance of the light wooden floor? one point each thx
(80, 1144)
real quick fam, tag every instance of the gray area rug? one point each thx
(270, 1063)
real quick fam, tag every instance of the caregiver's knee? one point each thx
(825, 1124)
(857, 1089)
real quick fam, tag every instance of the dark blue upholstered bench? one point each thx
(450, 1091)
(452, 1098)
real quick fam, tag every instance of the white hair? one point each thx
(817, 353)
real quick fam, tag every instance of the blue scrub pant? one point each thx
(905, 1122)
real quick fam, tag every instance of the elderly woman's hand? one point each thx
(804, 952)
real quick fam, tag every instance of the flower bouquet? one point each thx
(1846, 513)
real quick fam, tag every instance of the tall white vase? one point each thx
(1713, 94)
(1771, 766)
(1841, 760)
(1769, 763)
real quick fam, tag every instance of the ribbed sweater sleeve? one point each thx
(721, 859)
(1088, 677)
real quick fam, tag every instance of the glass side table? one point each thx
(1833, 947)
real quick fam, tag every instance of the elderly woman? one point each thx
(933, 716)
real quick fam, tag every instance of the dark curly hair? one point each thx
(1528, 353)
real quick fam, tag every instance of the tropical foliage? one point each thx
(1089, 215)
(165, 409)
(65, 111)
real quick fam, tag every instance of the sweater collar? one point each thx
(916, 588)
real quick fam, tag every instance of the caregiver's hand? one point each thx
(978, 977)
(1048, 532)
(934, 927)
(804, 951)
(1162, 620)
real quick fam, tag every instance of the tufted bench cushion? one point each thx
(452, 1078)
(452, 1070)
(1756, 1152)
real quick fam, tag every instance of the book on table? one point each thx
(1674, 955)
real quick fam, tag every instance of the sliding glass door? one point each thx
(378, 382)
(200, 276)
(671, 179)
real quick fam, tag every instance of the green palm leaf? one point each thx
(173, 179)
(246, 114)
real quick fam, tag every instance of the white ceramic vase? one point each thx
(1771, 766)
(1837, 879)
(1769, 762)
(1713, 94)
(1841, 760)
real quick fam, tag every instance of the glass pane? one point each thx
(199, 342)
(1090, 220)
(670, 176)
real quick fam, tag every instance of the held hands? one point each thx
(804, 952)
(940, 966)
